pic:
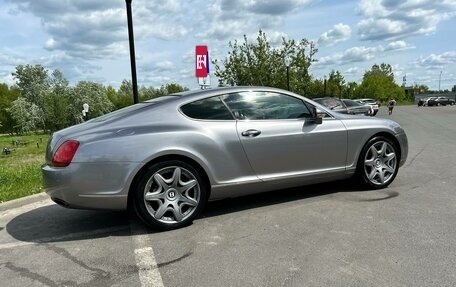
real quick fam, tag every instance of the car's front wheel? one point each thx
(378, 163)
(169, 195)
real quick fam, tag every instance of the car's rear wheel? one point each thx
(378, 163)
(169, 195)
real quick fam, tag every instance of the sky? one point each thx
(88, 39)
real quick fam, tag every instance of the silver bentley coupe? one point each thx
(167, 157)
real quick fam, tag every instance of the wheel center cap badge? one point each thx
(378, 163)
(172, 194)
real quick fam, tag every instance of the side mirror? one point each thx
(318, 116)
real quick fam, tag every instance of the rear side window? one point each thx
(207, 109)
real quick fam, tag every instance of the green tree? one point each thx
(56, 102)
(91, 93)
(7, 96)
(351, 89)
(151, 93)
(316, 89)
(33, 82)
(124, 95)
(25, 114)
(378, 83)
(172, 88)
(146, 93)
(111, 93)
(335, 84)
(423, 89)
(258, 63)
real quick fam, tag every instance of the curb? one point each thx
(15, 203)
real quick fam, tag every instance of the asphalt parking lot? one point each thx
(321, 235)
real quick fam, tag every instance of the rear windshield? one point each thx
(130, 109)
(330, 103)
(350, 103)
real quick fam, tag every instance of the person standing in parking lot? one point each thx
(391, 105)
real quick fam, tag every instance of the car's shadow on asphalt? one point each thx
(350, 190)
(53, 223)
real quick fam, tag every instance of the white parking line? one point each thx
(149, 275)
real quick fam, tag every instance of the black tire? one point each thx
(378, 163)
(176, 191)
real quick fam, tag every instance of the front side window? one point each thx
(265, 106)
(207, 109)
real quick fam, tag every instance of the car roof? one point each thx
(204, 93)
(326, 98)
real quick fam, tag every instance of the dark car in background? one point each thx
(345, 106)
(440, 101)
(424, 101)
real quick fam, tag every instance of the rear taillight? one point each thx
(65, 153)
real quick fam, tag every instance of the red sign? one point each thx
(202, 61)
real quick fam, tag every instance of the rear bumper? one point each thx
(89, 186)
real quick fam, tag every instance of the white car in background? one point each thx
(371, 102)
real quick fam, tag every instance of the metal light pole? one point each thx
(325, 87)
(440, 78)
(287, 64)
(132, 51)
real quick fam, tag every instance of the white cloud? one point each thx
(10, 60)
(161, 31)
(352, 71)
(156, 80)
(230, 19)
(352, 55)
(438, 61)
(270, 7)
(7, 78)
(339, 33)
(88, 39)
(399, 46)
(189, 57)
(390, 19)
(362, 53)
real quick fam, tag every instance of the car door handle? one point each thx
(250, 133)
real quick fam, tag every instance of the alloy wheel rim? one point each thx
(380, 163)
(172, 194)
